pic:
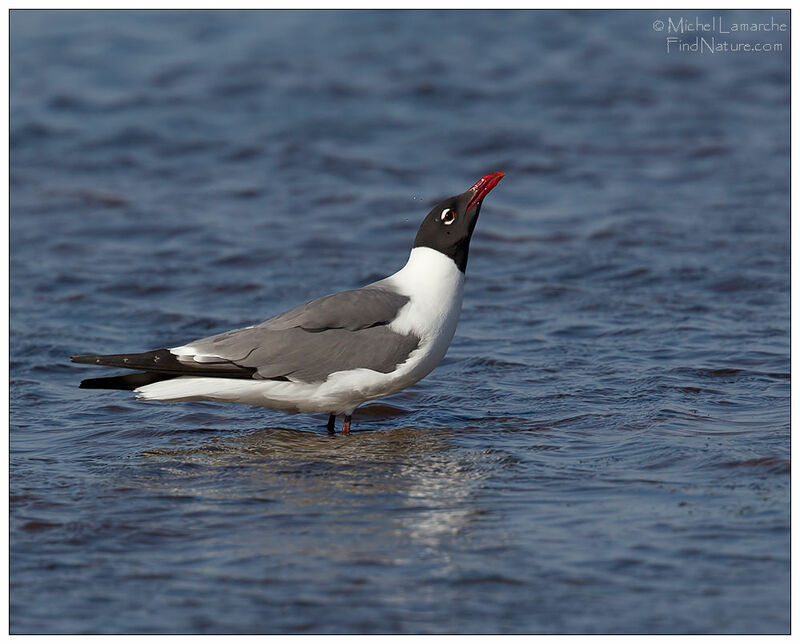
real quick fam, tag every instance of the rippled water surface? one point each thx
(605, 447)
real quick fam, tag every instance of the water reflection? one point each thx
(414, 483)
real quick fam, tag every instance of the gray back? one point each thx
(347, 330)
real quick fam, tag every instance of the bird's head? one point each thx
(449, 225)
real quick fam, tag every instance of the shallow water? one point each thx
(605, 447)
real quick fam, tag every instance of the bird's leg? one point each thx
(346, 426)
(332, 424)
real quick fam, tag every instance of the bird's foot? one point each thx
(346, 426)
(332, 424)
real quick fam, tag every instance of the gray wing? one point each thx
(347, 330)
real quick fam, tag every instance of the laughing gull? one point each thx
(336, 352)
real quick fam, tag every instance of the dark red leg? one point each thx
(346, 426)
(332, 424)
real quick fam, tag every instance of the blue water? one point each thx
(605, 447)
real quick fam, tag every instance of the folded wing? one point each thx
(339, 332)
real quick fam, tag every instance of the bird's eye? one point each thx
(448, 216)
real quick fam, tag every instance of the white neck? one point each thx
(428, 270)
(434, 285)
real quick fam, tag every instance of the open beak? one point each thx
(482, 188)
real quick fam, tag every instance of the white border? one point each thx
(330, 4)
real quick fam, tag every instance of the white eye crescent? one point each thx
(448, 216)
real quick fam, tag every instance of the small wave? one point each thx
(772, 464)
(36, 526)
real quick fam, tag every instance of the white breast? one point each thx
(435, 287)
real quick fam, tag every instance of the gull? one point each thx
(333, 353)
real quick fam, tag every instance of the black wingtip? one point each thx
(127, 382)
(84, 359)
(164, 362)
